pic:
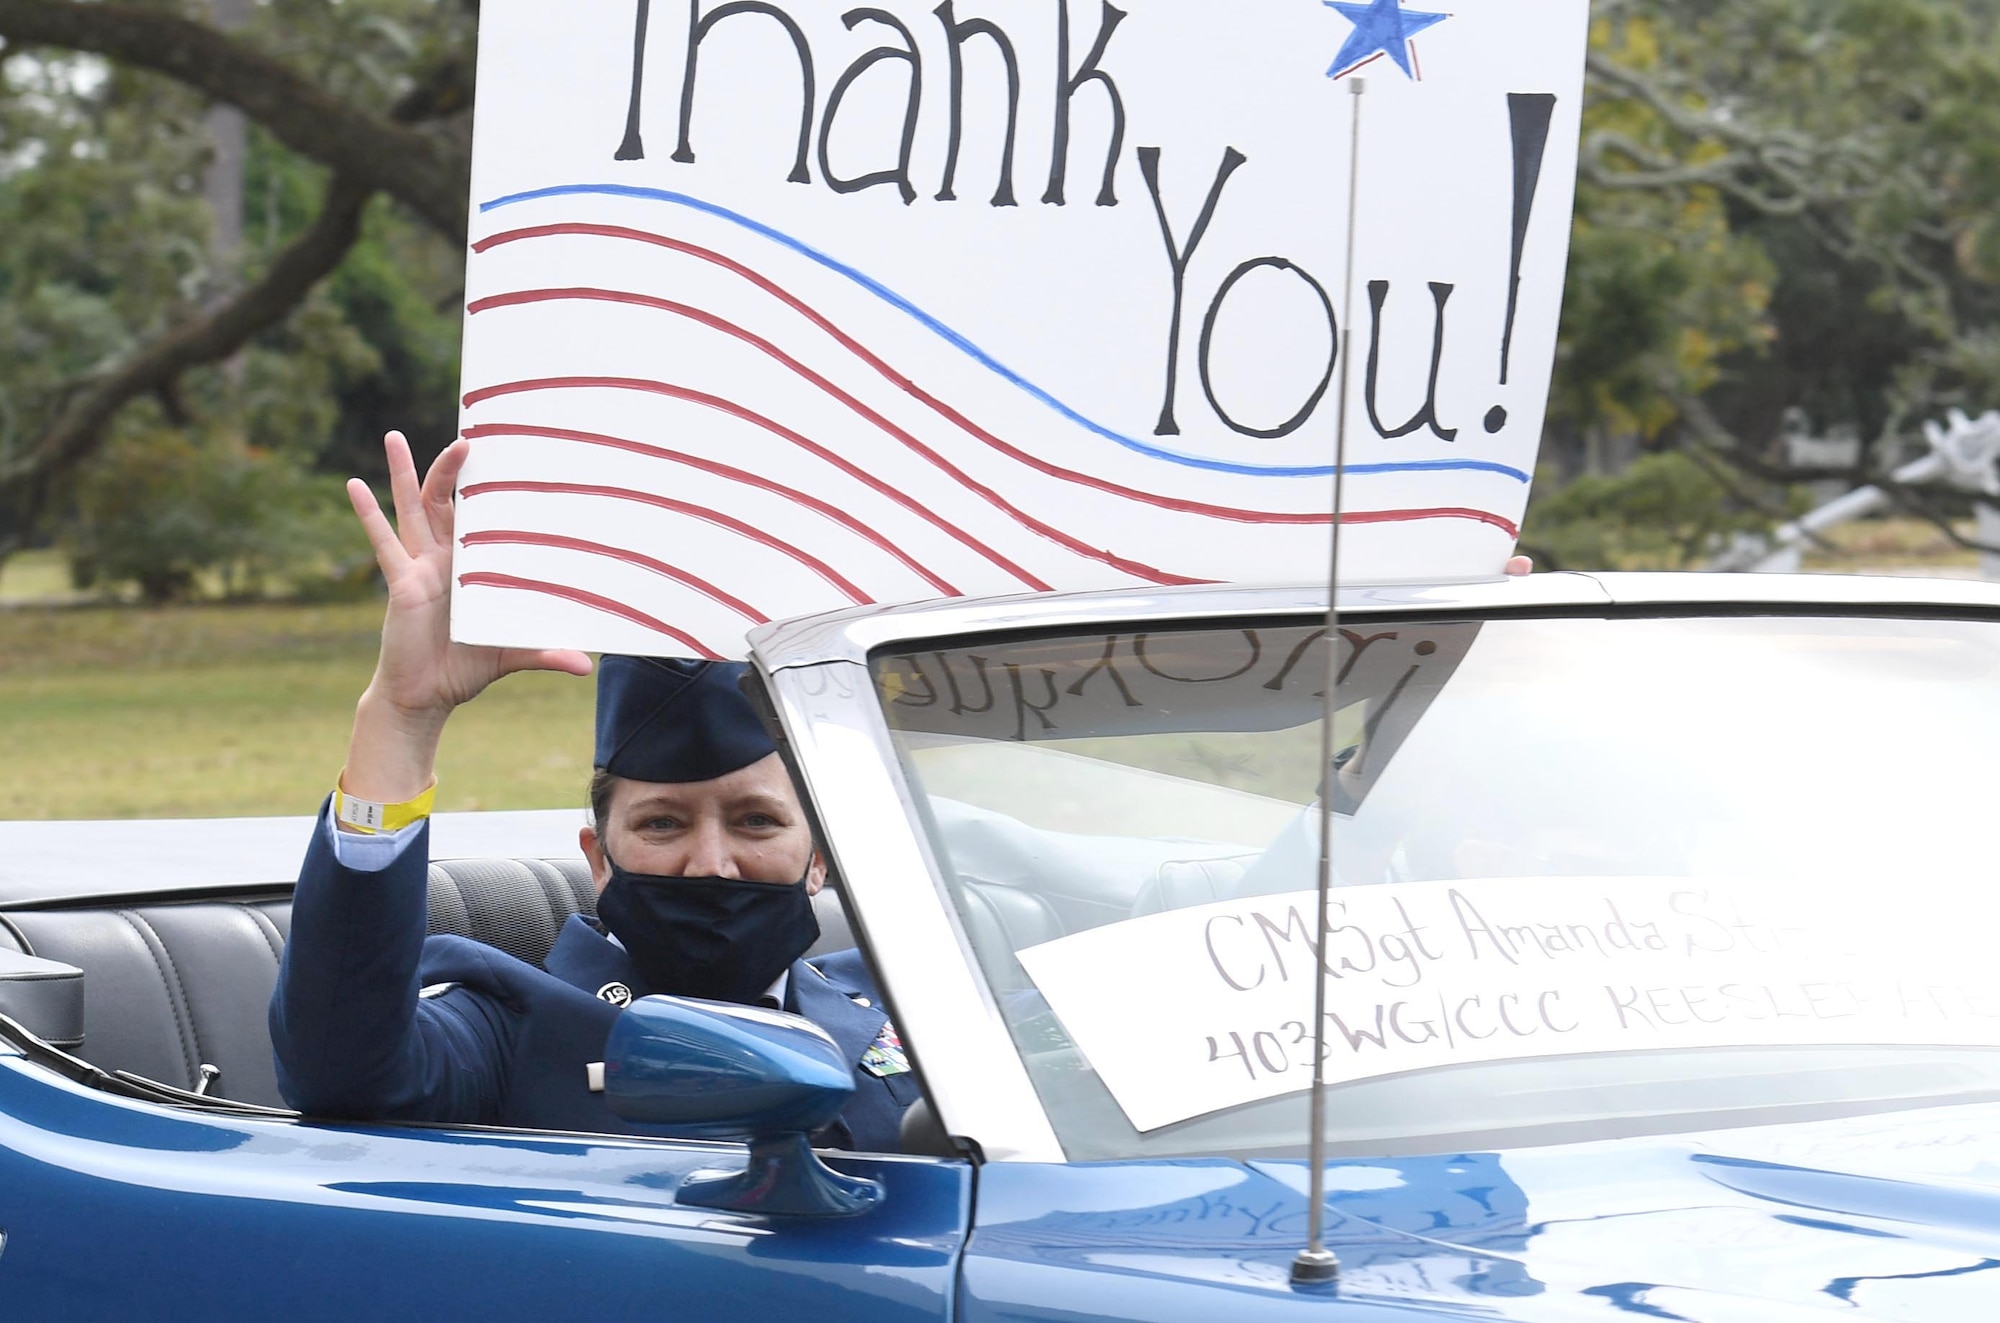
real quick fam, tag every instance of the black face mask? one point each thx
(711, 937)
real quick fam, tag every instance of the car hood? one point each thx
(1880, 1217)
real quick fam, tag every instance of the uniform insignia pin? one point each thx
(885, 1056)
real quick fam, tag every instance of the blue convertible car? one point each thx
(1658, 968)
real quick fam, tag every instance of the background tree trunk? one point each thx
(229, 137)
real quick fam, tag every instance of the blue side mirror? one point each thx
(717, 1070)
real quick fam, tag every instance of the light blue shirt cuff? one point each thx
(363, 853)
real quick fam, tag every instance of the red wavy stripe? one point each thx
(1434, 512)
(483, 579)
(1136, 569)
(703, 513)
(778, 429)
(516, 537)
(946, 411)
(901, 382)
(813, 503)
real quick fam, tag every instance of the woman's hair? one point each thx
(601, 782)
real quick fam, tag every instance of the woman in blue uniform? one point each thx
(702, 855)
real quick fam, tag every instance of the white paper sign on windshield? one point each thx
(1191, 1011)
(775, 306)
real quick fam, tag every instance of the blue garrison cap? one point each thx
(665, 719)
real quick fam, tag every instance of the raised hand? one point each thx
(420, 674)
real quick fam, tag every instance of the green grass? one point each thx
(207, 711)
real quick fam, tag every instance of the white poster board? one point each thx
(1188, 1012)
(776, 307)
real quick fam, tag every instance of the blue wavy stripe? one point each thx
(958, 341)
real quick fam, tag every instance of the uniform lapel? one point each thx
(832, 1007)
(584, 958)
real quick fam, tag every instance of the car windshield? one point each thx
(1592, 876)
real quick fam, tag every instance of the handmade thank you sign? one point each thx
(777, 307)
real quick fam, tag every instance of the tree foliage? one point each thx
(1782, 204)
(1856, 143)
(112, 296)
(162, 507)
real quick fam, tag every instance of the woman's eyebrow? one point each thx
(760, 800)
(653, 803)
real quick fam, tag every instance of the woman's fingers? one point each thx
(440, 485)
(403, 488)
(389, 552)
(544, 659)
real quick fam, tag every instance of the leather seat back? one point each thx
(1000, 920)
(518, 905)
(1183, 883)
(167, 988)
(171, 987)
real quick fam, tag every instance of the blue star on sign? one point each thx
(1380, 25)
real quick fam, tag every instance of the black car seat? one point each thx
(172, 986)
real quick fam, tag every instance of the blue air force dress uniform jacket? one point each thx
(371, 1020)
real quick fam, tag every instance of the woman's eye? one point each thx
(761, 821)
(661, 824)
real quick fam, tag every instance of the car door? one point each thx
(1211, 1237)
(113, 1208)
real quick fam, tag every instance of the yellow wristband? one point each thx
(366, 815)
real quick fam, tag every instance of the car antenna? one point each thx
(1316, 1265)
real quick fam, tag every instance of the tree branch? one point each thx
(215, 334)
(367, 150)
(1717, 442)
(1803, 169)
(1711, 461)
(1649, 170)
(1920, 505)
(1686, 120)
(79, 428)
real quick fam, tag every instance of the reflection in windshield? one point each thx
(1076, 782)
(1232, 708)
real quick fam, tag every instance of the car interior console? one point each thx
(44, 997)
